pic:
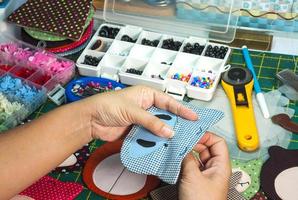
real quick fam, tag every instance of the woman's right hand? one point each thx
(212, 182)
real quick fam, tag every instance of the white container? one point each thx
(159, 65)
(89, 70)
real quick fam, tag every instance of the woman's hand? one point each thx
(114, 112)
(212, 181)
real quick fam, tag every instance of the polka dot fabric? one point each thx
(165, 161)
(52, 189)
(253, 169)
(82, 156)
(64, 18)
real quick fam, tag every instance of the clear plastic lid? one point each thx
(212, 19)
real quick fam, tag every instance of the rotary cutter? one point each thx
(238, 84)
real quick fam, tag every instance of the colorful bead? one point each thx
(13, 54)
(17, 90)
(181, 77)
(91, 88)
(203, 80)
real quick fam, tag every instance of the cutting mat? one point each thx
(266, 66)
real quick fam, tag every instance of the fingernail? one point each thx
(167, 132)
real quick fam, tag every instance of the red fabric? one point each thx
(52, 189)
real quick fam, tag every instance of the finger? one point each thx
(150, 122)
(166, 102)
(190, 166)
(218, 150)
(205, 156)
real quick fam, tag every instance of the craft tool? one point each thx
(260, 96)
(238, 83)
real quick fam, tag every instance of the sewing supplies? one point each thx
(171, 44)
(269, 133)
(181, 77)
(152, 43)
(18, 99)
(141, 63)
(204, 80)
(285, 121)
(106, 176)
(134, 71)
(216, 52)
(145, 153)
(109, 32)
(257, 88)
(91, 60)
(195, 48)
(27, 75)
(43, 62)
(87, 86)
(237, 83)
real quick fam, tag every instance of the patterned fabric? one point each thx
(145, 153)
(49, 37)
(52, 189)
(82, 156)
(170, 192)
(234, 181)
(251, 176)
(64, 18)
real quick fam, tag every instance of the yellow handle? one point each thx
(244, 118)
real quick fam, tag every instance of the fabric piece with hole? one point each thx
(160, 156)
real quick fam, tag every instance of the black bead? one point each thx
(103, 33)
(90, 60)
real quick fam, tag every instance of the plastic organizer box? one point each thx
(145, 57)
(27, 75)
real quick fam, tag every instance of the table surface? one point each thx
(266, 66)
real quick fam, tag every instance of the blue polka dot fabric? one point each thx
(145, 153)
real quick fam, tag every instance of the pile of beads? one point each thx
(152, 43)
(134, 71)
(90, 89)
(126, 38)
(216, 52)
(17, 101)
(181, 77)
(171, 44)
(195, 48)
(91, 60)
(18, 90)
(108, 32)
(204, 80)
(14, 54)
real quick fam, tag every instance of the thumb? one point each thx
(150, 122)
(190, 166)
